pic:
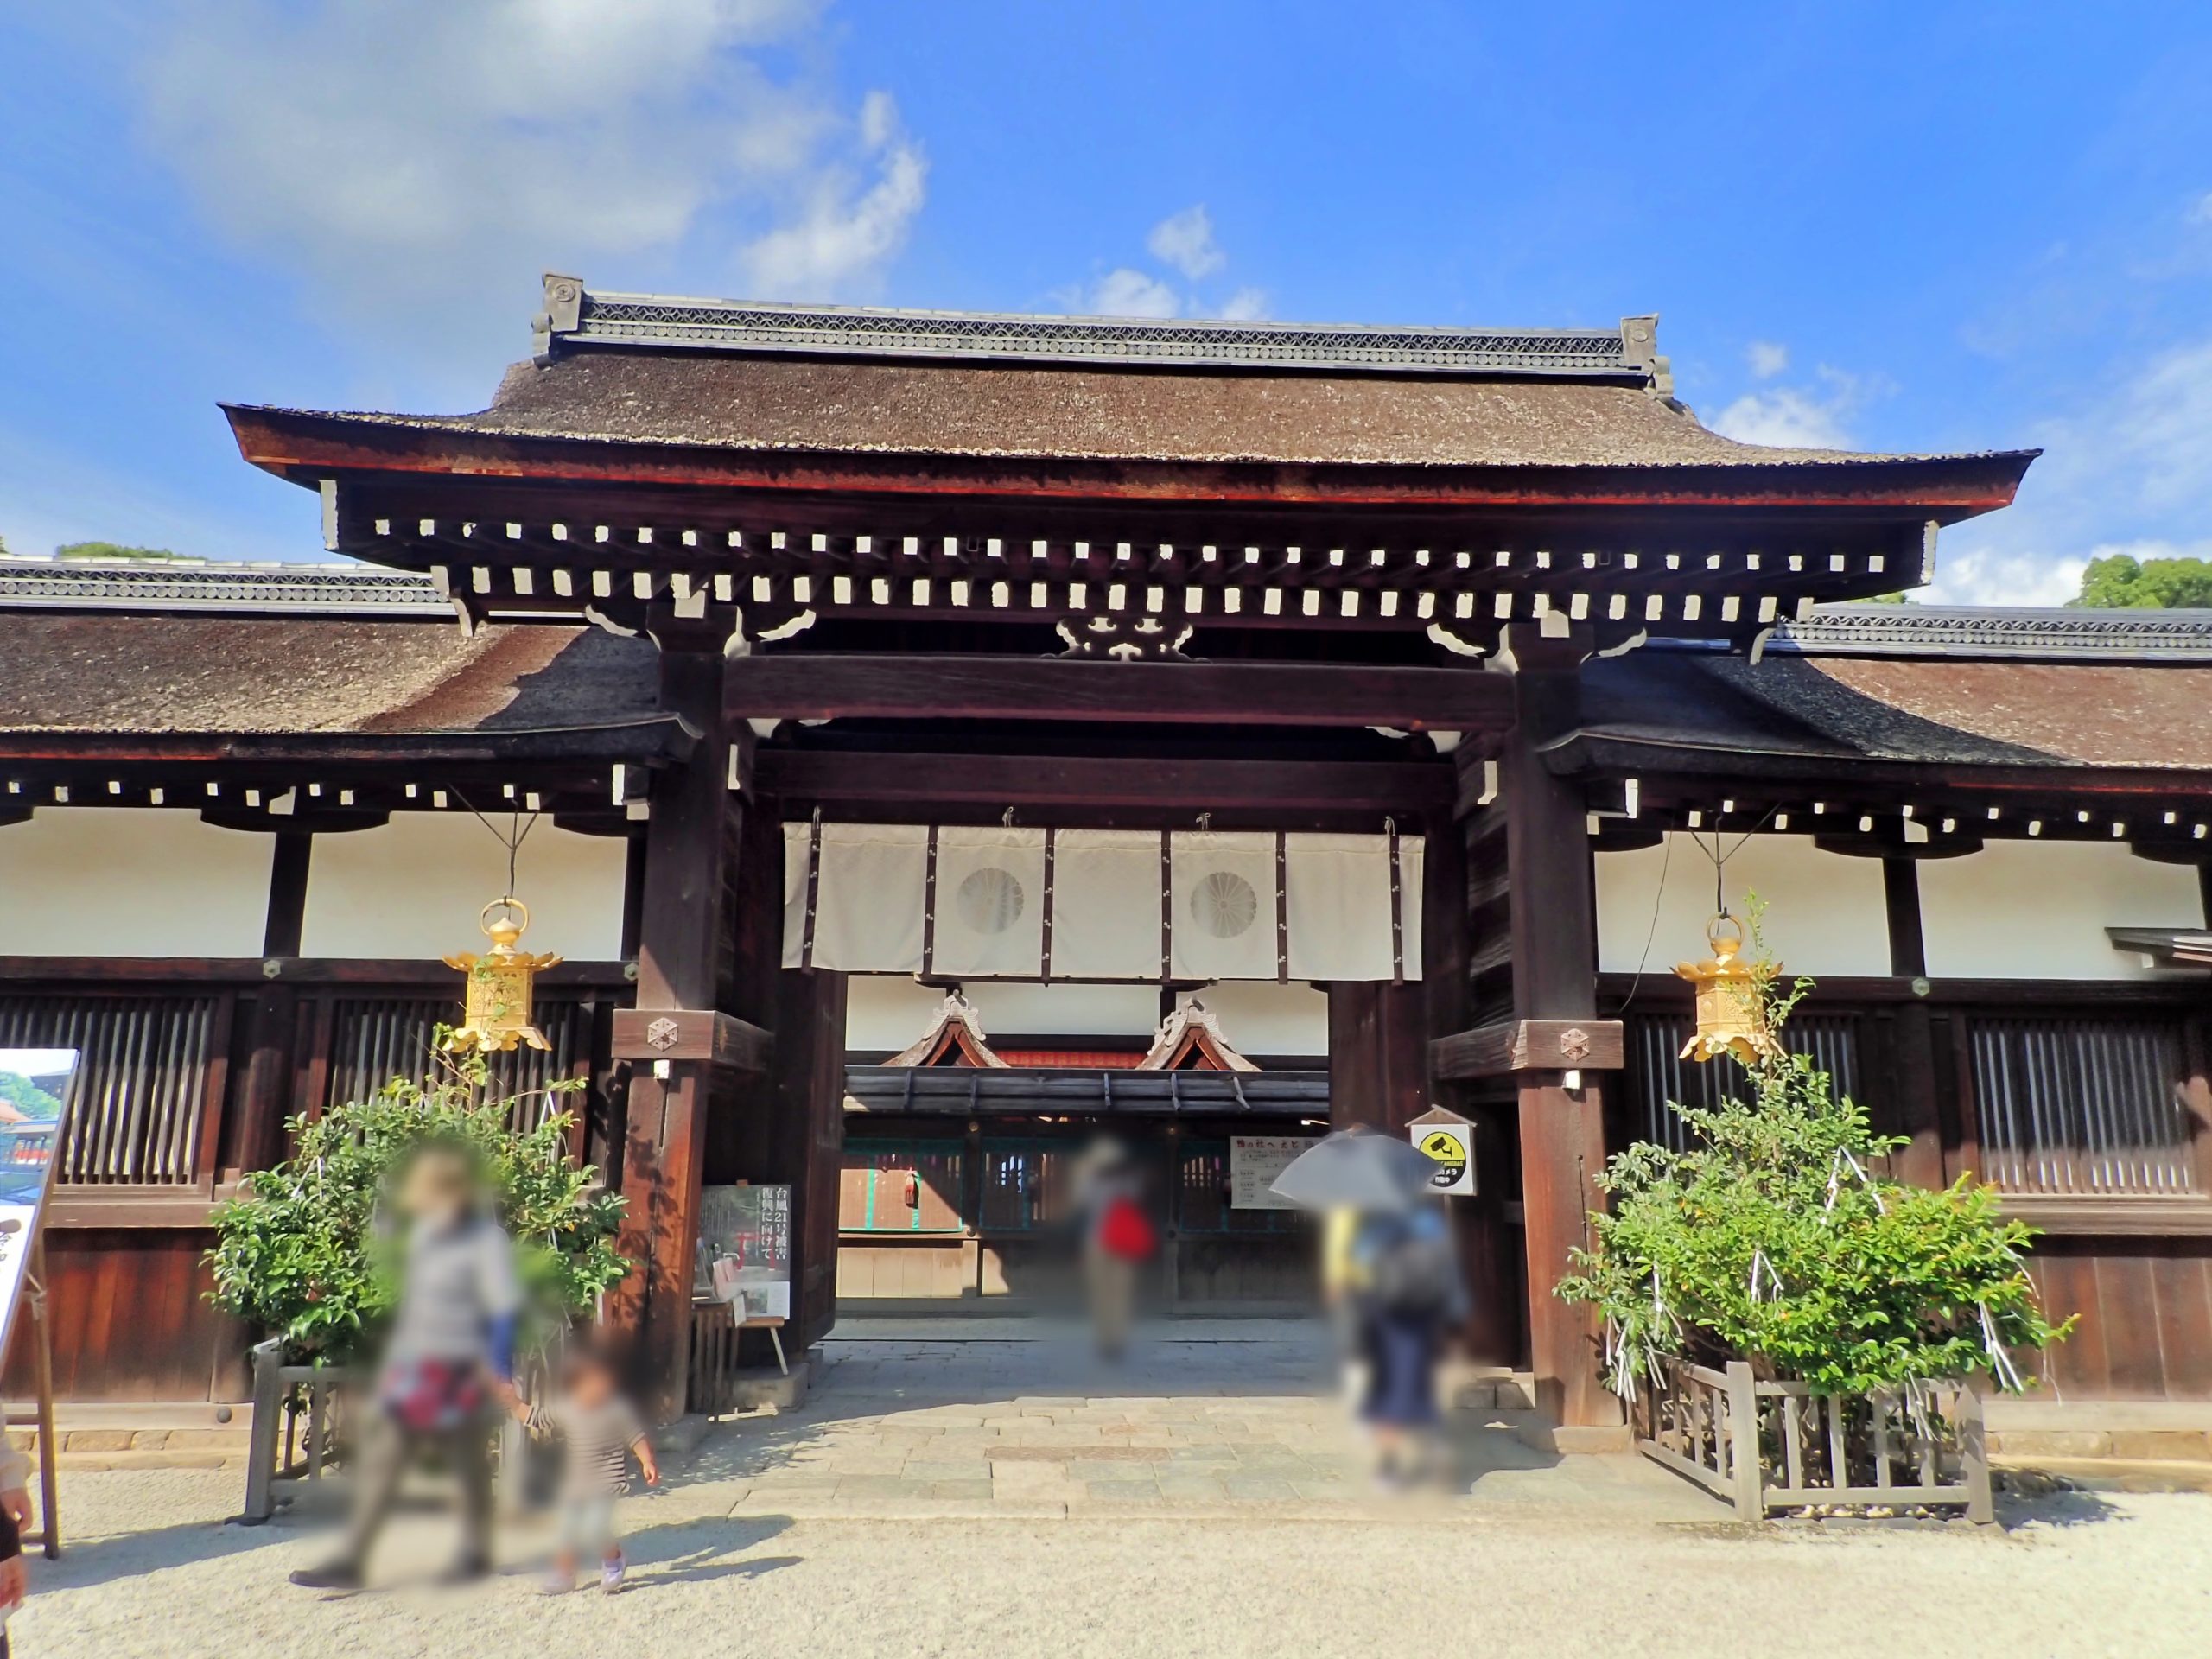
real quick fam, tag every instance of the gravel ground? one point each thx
(151, 1570)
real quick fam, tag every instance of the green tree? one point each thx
(1774, 1238)
(303, 1253)
(26, 1097)
(2120, 581)
(116, 550)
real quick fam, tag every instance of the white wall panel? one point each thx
(131, 881)
(1010, 1009)
(1263, 1018)
(413, 887)
(888, 1011)
(1824, 912)
(2038, 909)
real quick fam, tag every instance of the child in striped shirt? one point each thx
(599, 1432)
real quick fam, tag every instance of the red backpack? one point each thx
(1125, 1232)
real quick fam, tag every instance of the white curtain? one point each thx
(993, 917)
(990, 903)
(1106, 904)
(1224, 910)
(1338, 893)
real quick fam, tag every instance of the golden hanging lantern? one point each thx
(497, 1018)
(1731, 1008)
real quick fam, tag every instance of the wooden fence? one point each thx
(1768, 1446)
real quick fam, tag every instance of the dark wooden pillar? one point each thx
(1489, 1254)
(1552, 934)
(682, 933)
(1378, 1054)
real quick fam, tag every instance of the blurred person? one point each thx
(1116, 1236)
(599, 1431)
(452, 1345)
(15, 1515)
(1408, 1295)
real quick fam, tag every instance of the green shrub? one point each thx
(1776, 1239)
(301, 1255)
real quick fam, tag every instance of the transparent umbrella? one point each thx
(1356, 1169)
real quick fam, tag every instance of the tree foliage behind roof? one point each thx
(2120, 581)
(116, 550)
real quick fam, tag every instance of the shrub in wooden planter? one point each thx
(306, 1252)
(1774, 1253)
(306, 1255)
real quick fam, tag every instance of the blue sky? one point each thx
(1909, 227)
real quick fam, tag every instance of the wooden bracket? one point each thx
(1511, 1045)
(694, 1034)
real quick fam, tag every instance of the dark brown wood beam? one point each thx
(1050, 779)
(1509, 1045)
(720, 1039)
(832, 687)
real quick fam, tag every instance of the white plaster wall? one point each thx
(131, 881)
(413, 887)
(1010, 1009)
(1268, 1019)
(2038, 909)
(1824, 912)
(889, 1011)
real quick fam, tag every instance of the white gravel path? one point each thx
(152, 1571)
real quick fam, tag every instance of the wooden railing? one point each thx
(1766, 1445)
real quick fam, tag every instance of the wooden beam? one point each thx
(831, 687)
(1055, 781)
(703, 1034)
(1508, 1045)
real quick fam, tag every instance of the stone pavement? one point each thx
(979, 1418)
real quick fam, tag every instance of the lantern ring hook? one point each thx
(514, 907)
(1725, 927)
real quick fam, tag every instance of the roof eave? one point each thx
(304, 447)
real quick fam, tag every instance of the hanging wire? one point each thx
(1719, 892)
(1720, 858)
(511, 838)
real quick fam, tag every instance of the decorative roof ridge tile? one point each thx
(577, 317)
(219, 589)
(2062, 633)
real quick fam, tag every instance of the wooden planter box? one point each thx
(300, 1423)
(280, 1450)
(1764, 1446)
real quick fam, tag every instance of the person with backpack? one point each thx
(1409, 1296)
(1117, 1237)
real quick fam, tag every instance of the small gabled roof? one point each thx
(954, 1038)
(1191, 1038)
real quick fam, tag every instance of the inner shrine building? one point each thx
(945, 736)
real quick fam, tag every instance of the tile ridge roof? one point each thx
(576, 317)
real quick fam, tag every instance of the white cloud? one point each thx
(847, 233)
(1184, 242)
(1124, 292)
(435, 154)
(1246, 305)
(2200, 210)
(2131, 474)
(1767, 358)
(1786, 418)
(1986, 575)
(1799, 417)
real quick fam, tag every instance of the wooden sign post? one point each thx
(35, 1084)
